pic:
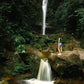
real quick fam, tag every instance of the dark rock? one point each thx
(60, 63)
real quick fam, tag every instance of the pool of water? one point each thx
(58, 81)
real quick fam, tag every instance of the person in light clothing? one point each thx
(59, 45)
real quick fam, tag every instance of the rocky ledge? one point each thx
(67, 60)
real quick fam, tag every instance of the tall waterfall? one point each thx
(44, 71)
(44, 8)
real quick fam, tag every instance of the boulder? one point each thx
(68, 58)
(33, 51)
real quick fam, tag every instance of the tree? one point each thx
(69, 14)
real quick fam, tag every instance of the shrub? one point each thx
(21, 68)
(21, 49)
(38, 46)
(17, 40)
(28, 65)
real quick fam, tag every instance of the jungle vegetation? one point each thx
(18, 19)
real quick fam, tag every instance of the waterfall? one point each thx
(44, 8)
(44, 71)
(44, 74)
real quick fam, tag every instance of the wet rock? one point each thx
(71, 56)
(60, 62)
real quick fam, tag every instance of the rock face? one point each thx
(81, 52)
(68, 58)
(33, 51)
(59, 62)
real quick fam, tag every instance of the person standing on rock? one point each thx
(59, 45)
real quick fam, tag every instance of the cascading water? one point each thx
(44, 71)
(44, 8)
(44, 74)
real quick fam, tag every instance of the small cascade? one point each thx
(44, 73)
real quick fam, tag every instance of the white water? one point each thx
(35, 81)
(44, 71)
(44, 74)
(44, 8)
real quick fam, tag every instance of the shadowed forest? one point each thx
(22, 44)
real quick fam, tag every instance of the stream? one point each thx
(58, 81)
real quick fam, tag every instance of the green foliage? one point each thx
(44, 42)
(34, 66)
(66, 39)
(17, 40)
(28, 65)
(21, 49)
(38, 46)
(16, 19)
(19, 17)
(21, 68)
(80, 28)
(70, 15)
(48, 40)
